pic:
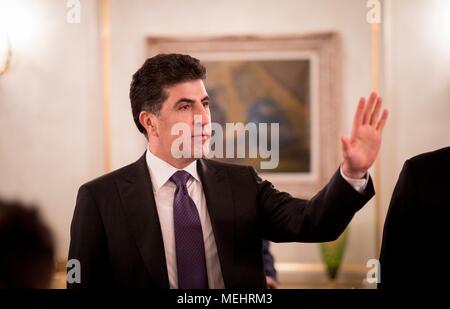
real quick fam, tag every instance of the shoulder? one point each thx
(431, 159)
(108, 180)
(428, 165)
(230, 167)
(237, 173)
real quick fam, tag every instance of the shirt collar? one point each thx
(161, 171)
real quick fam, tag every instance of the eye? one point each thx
(184, 107)
(206, 104)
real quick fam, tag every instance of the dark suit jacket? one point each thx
(415, 234)
(116, 235)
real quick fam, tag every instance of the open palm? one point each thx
(361, 149)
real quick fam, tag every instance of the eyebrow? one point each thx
(190, 101)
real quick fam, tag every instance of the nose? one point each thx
(204, 113)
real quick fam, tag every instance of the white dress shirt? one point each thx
(164, 191)
(357, 184)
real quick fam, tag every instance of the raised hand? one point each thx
(361, 149)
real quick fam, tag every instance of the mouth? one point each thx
(203, 137)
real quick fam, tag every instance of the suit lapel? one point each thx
(139, 206)
(220, 206)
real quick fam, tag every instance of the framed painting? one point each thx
(291, 81)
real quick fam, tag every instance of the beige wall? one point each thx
(50, 100)
(50, 111)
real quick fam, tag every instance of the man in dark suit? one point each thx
(172, 220)
(415, 231)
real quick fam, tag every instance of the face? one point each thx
(184, 119)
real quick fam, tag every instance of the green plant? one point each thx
(333, 253)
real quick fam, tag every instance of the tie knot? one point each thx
(180, 178)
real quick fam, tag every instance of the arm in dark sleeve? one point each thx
(88, 243)
(323, 218)
(269, 267)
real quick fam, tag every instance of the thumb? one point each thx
(345, 144)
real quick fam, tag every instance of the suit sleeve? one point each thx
(88, 243)
(323, 218)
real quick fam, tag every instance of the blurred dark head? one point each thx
(26, 248)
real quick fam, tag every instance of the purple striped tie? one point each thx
(190, 249)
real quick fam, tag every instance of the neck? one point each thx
(178, 163)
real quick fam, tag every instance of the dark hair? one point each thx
(148, 87)
(27, 250)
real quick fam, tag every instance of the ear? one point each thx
(149, 121)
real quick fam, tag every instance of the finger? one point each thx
(376, 112)
(369, 107)
(357, 119)
(382, 121)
